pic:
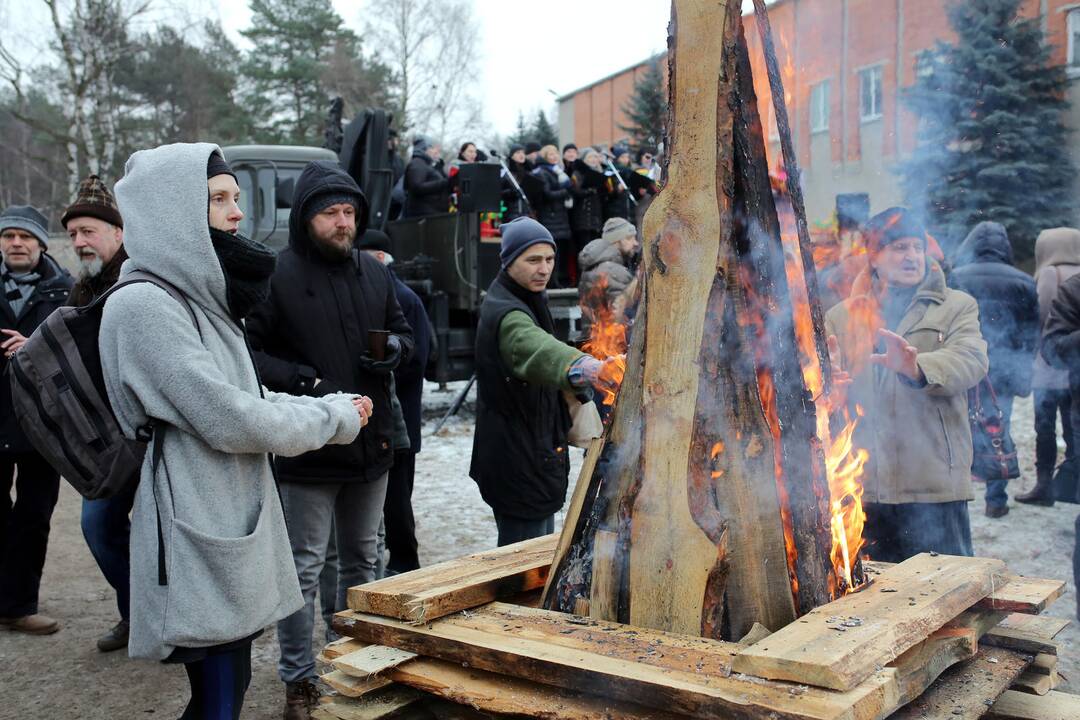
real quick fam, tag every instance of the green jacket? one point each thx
(532, 355)
(918, 438)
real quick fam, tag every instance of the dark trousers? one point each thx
(896, 532)
(566, 269)
(515, 529)
(398, 514)
(1048, 403)
(218, 684)
(24, 529)
(995, 487)
(107, 530)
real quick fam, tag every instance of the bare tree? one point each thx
(430, 47)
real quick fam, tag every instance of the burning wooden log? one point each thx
(718, 498)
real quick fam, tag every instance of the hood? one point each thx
(320, 177)
(1057, 246)
(164, 201)
(598, 251)
(987, 242)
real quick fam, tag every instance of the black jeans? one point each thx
(1048, 403)
(515, 529)
(398, 514)
(896, 532)
(24, 529)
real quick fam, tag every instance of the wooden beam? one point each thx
(1018, 594)
(964, 692)
(1043, 626)
(1014, 705)
(438, 590)
(1034, 683)
(839, 645)
(1019, 641)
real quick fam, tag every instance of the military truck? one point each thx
(443, 257)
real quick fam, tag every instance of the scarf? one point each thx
(536, 301)
(247, 265)
(18, 288)
(89, 288)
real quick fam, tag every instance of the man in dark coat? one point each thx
(33, 286)
(409, 386)
(96, 230)
(315, 337)
(1009, 319)
(519, 456)
(427, 189)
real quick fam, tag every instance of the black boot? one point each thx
(1042, 493)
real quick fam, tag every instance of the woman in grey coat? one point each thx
(211, 564)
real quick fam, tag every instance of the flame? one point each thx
(607, 338)
(844, 464)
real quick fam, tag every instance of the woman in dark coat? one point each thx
(554, 212)
(514, 195)
(587, 188)
(427, 189)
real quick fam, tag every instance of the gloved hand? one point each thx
(389, 362)
(588, 372)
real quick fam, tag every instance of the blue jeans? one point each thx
(107, 530)
(312, 512)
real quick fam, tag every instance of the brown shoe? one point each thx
(31, 624)
(996, 511)
(1041, 494)
(300, 699)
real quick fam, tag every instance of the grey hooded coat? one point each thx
(227, 558)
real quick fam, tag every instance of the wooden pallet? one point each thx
(504, 658)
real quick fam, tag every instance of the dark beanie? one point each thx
(93, 200)
(531, 147)
(891, 225)
(318, 203)
(569, 146)
(24, 217)
(216, 165)
(514, 148)
(374, 240)
(520, 234)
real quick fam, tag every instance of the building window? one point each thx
(819, 107)
(870, 98)
(1074, 37)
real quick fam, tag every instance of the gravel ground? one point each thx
(63, 676)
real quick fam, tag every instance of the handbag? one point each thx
(994, 450)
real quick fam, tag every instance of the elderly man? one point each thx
(34, 285)
(96, 230)
(520, 457)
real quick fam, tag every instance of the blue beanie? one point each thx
(520, 234)
(24, 217)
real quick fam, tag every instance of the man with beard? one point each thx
(332, 324)
(96, 230)
(33, 286)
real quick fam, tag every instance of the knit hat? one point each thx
(421, 144)
(216, 165)
(891, 225)
(620, 150)
(24, 217)
(519, 235)
(317, 203)
(374, 240)
(514, 148)
(93, 200)
(531, 147)
(569, 146)
(616, 229)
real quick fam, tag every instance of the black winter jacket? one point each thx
(1008, 305)
(587, 215)
(409, 376)
(553, 213)
(315, 325)
(427, 189)
(50, 293)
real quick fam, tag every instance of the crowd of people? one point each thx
(281, 393)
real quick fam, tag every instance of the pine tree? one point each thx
(992, 143)
(647, 108)
(521, 132)
(543, 131)
(293, 41)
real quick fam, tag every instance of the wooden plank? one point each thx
(1042, 626)
(675, 673)
(386, 703)
(350, 686)
(1018, 594)
(371, 660)
(921, 665)
(1014, 705)
(964, 692)
(605, 583)
(467, 582)
(572, 523)
(1034, 683)
(1019, 641)
(840, 644)
(1044, 664)
(493, 693)
(337, 648)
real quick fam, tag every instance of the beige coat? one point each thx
(1057, 258)
(918, 437)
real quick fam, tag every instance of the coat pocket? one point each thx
(220, 588)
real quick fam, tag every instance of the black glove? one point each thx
(389, 362)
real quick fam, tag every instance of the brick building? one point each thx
(842, 70)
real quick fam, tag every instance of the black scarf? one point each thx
(536, 301)
(247, 265)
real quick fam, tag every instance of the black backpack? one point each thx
(58, 392)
